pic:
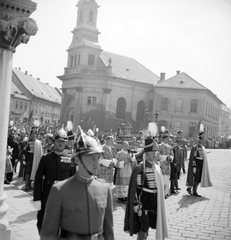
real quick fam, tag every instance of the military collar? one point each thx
(83, 179)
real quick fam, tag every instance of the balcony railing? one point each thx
(88, 70)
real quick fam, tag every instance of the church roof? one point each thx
(181, 80)
(38, 88)
(128, 68)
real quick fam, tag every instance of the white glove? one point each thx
(37, 205)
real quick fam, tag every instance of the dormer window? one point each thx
(90, 19)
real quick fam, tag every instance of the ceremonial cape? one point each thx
(131, 223)
(205, 177)
(38, 152)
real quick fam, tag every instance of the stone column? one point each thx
(15, 27)
(78, 104)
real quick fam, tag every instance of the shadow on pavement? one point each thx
(188, 200)
(26, 217)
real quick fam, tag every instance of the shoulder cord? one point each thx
(142, 186)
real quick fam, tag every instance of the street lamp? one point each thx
(156, 114)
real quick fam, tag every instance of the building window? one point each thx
(164, 104)
(193, 108)
(91, 16)
(21, 105)
(140, 111)
(16, 104)
(179, 105)
(206, 109)
(177, 126)
(90, 121)
(120, 108)
(91, 59)
(192, 129)
(79, 56)
(150, 107)
(91, 100)
(25, 106)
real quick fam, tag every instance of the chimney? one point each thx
(19, 68)
(38, 79)
(47, 83)
(162, 76)
(177, 72)
(26, 72)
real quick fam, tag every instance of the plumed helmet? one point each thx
(87, 145)
(61, 135)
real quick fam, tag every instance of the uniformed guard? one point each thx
(80, 208)
(53, 167)
(145, 203)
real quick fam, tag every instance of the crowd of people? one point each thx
(73, 176)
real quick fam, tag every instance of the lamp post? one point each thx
(15, 27)
(156, 114)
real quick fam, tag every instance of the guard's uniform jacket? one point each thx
(52, 168)
(79, 208)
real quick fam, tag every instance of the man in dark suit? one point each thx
(81, 206)
(53, 167)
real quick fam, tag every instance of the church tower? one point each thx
(84, 49)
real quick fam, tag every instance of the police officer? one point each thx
(80, 208)
(53, 167)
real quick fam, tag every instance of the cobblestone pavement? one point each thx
(189, 217)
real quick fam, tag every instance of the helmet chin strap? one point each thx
(89, 172)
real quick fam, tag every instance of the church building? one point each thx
(102, 88)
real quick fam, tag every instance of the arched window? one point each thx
(164, 104)
(192, 128)
(193, 108)
(179, 105)
(90, 16)
(150, 107)
(140, 111)
(177, 126)
(120, 108)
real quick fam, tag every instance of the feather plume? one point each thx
(90, 133)
(11, 123)
(69, 125)
(163, 128)
(78, 130)
(94, 129)
(146, 133)
(152, 128)
(201, 127)
(36, 123)
(97, 129)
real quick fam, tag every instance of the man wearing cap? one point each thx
(80, 208)
(198, 171)
(53, 167)
(145, 203)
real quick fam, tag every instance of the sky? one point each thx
(193, 36)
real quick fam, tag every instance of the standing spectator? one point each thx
(53, 167)
(8, 168)
(104, 172)
(81, 206)
(124, 171)
(166, 156)
(15, 151)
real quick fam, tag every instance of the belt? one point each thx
(67, 234)
(150, 190)
(52, 182)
